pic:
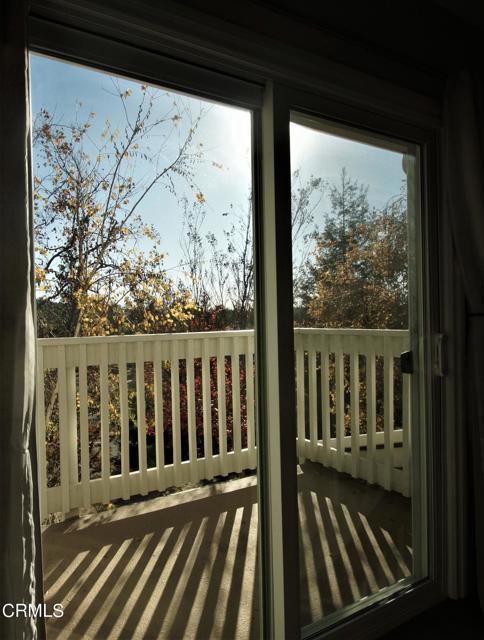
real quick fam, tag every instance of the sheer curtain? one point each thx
(464, 186)
(21, 570)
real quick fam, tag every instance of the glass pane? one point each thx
(352, 211)
(146, 413)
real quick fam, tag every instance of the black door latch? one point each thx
(406, 362)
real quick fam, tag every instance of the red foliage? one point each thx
(198, 405)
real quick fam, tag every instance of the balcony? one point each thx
(328, 425)
(184, 419)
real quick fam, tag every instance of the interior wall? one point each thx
(260, 41)
(415, 45)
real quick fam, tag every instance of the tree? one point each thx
(219, 268)
(357, 275)
(193, 250)
(232, 268)
(349, 213)
(218, 271)
(99, 268)
(88, 228)
(306, 197)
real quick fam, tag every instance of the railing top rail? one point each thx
(393, 333)
(152, 337)
(208, 335)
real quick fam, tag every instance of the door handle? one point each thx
(406, 362)
(440, 354)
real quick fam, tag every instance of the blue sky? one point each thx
(324, 155)
(224, 133)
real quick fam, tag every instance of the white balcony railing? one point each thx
(353, 410)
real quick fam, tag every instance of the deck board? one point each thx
(184, 565)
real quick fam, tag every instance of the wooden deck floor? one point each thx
(184, 566)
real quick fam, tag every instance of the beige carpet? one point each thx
(184, 566)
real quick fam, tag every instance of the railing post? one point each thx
(370, 410)
(355, 407)
(236, 422)
(159, 420)
(64, 448)
(72, 426)
(325, 407)
(221, 405)
(207, 411)
(141, 418)
(104, 411)
(313, 401)
(300, 407)
(339, 373)
(40, 432)
(84, 427)
(250, 401)
(388, 414)
(175, 408)
(124, 420)
(406, 445)
(192, 422)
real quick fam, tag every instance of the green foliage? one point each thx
(357, 273)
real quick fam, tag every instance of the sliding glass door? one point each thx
(354, 215)
(276, 341)
(343, 314)
(146, 399)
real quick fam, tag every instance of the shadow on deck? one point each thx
(184, 565)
